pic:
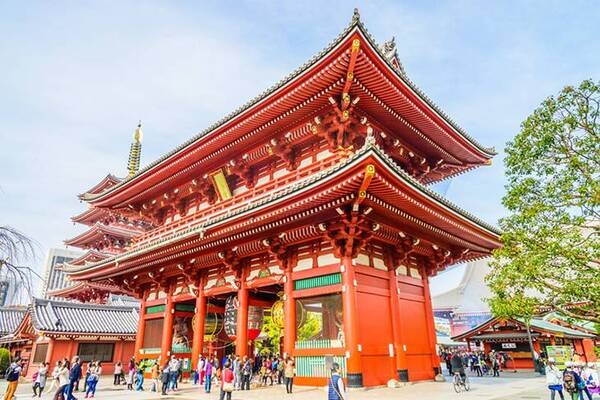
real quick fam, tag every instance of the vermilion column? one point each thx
(167, 333)
(435, 360)
(353, 363)
(198, 339)
(139, 338)
(241, 340)
(400, 354)
(289, 308)
(50, 351)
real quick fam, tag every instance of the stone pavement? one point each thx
(525, 386)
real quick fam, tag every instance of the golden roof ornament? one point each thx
(135, 151)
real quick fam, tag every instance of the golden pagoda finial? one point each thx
(135, 152)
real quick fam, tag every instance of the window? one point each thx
(96, 351)
(319, 321)
(41, 349)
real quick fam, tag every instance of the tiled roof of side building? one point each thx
(10, 319)
(66, 317)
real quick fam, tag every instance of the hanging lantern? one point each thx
(231, 311)
(255, 319)
(277, 313)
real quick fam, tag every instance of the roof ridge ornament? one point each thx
(355, 16)
(390, 52)
(135, 152)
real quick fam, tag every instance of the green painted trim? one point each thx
(185, 307)
(155, 309)
(318, 366)
(318, 281)
(151, 350)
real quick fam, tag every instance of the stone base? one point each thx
(403, 375)
(355, 380)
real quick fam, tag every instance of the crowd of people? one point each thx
(478, 362)
(575, 380)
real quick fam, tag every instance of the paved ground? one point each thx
(525, 386)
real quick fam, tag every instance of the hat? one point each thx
(568, 364)
(551, 360)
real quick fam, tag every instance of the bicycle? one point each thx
(460, 383)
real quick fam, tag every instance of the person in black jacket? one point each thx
(457, 364)
(74, 377)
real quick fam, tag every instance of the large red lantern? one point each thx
(255, 319)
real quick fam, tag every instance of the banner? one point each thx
(561, 354)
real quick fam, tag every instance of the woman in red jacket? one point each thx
(226, 381)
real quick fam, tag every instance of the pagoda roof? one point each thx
(99, 231)
(394, 92)
(537, 326)
(85, 290)
(106, 182)
(393, 182)
(58, 317)
(90, 216)
(87, 257)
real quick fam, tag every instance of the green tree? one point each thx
(551, 245)
(4, 360)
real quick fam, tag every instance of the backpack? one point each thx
(12, 374)
(569, 382)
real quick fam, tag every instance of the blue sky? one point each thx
(75, 77)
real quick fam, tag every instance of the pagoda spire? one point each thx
(135, 152)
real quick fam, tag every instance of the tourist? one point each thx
(495, 364)
(583, 388)
(246, 373)
(39, 379)
(336, 389)
(458, 365)
(74, 377)
(62, 377)
(571, 381)
(226, 381)
(208, 370)
(280, 368)
(237, 372)
(55, 371)
(129, 378)
(216, 369)
(554, 379)
(88, 368)
(155, 376)
(477, 365)
(139, 377)
(117, 373)
(173, 373)
(164, 379)
(92, 376)
(289, 374)
(12, 377)
(200, 367)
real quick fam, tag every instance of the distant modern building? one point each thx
(463, 307)
(54, 277)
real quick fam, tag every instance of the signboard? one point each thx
(509, 345)
(561, 354)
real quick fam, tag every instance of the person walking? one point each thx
(226, 381)
(117, 373)
(554, 379)
(55, 371)
(336, 389)
(288, 372)
(88, 368)
(571, 382)
(246, 373)
(91, 380)
(139, 377)
(237, 373)
(155, 376)
(129, 378)
(164, 380)
(173, 373)
(39, 379)
(12, 377)
(74, 377)
(208, 371)
(62, 377)
(200, 367)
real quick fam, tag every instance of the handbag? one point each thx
(228, 386)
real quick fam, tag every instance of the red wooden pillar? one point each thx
(167, 333)
(119, 344)
(241, 340)
(198, 339)
(435, 360)
(289, 328)
(353, 362)
(401, 365)
(139, 338)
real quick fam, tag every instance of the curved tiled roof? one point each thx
(354, 24)
(67, 317)
(10, 319)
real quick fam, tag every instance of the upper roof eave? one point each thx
(355, 26)
(108, 181)
(369, 149)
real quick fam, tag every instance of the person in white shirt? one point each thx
(554, 379)
(63, 379)
(40, 380)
